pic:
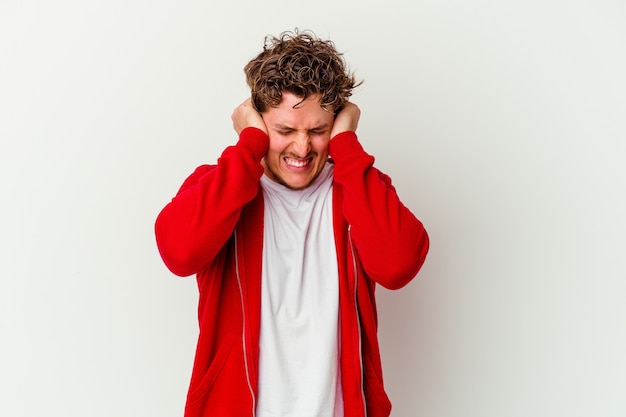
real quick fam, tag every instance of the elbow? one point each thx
(178, 265)
(404, 265)
(178, 260)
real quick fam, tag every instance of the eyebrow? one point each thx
(289, 128)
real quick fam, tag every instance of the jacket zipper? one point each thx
(243, 328)
(358, 318)
(243, 333)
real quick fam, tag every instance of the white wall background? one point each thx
(502, 123)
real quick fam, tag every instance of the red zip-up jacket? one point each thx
(214, 228)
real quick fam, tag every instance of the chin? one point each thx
(299, 185)
(293, 182)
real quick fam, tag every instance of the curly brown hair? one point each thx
(302, 64)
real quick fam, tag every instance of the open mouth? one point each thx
(298, 162)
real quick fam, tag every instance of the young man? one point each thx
(288, 234)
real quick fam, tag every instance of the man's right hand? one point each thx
(245, 115)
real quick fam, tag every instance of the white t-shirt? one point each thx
(299, 371)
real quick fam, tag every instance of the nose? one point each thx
(302, 145)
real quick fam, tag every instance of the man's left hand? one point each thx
(346, 120)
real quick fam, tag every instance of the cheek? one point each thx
(320, 144)
(277, 145)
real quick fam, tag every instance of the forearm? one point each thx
(194, 226)
(391, 242)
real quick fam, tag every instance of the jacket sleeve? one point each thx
(390, 241)
(193, 227)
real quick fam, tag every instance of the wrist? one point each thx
(255, 140)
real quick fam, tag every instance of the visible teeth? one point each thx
(298, 163)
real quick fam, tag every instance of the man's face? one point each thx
(299, 139)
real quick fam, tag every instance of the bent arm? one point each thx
(195, 225)
(390, 241)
